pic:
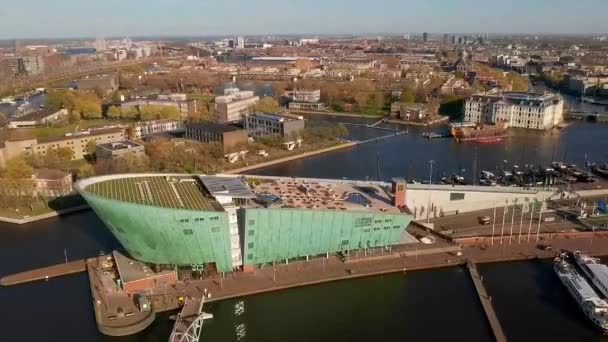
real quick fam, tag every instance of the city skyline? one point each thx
(70, 18)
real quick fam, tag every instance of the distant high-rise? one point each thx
(425, 37)
(240, 42)
(446, 38)
(454, 39)
(231, 43)
(99, 44)
(406, 36)
(16, 46)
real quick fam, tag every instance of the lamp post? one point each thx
(428, 205)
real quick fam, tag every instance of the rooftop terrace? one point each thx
(318, 194)
(178, 192)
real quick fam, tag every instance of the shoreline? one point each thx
(44, 216)
(292, 157)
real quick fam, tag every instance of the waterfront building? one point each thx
(118, 149)
(409, 111)
(231, 138)
(263, 124)
(425, 37)
(77, 142)
(525, 110)
(226, 223)
(233, 107)
(38, 118)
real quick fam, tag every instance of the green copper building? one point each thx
(230, 222)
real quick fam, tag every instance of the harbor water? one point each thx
(432, 305)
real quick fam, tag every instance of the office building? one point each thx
(525, 110)
(231, 138)
(263, 124)
(233, 107)
(240, 42)
(118, 149)
(77, 142)
(425, 37)
(142, 129)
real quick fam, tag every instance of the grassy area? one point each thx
(42, 207)
(156, 191)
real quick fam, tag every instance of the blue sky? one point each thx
(89, 18)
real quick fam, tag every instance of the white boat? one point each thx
(8, 100)
(594, 270)
(595, 308)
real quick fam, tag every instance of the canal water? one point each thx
(418, 306)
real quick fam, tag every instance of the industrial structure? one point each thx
(226, 223)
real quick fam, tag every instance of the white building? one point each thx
(526, 110)
(304, 95)
(233, 107)
(240, 42)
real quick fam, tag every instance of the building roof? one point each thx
(50, 174)
(321, 194)
(276, 117)
(119, 145)
(166, 191)
(78, 135)
(227, 186)
(131, 270)
(35, 116)
(213, 127)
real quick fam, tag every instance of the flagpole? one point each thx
(493, 222)
(502, 229)
(521, 222)
(512, 220)
(531, 217)
(540, 217)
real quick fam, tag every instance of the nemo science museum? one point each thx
(231, 223)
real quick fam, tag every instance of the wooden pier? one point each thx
(486, 302)
(45, 273)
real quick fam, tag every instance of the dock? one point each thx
(486, 302)
(45, 273)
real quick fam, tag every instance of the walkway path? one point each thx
(486, 302)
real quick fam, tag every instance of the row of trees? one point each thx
(80, 103)
(145, 113)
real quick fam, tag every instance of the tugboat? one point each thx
(595, 308)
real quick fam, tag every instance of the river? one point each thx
(418, 306)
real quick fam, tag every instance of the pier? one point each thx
(486, 302)
(45, 273)
(189, 323)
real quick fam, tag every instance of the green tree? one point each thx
(74, 117)
(170, 112)
(90, 109)
(147, 113)
(267, 105)
(408, 95)
(114, 112)
(117, 96)
(17, 168)
(130, 113)
(91, 147)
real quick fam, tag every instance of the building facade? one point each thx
(227, 223)
(118, 149)
(52, 183)
(231, 138)
(234, 107)
(143, 129)
(77, 142)
(262, 124)
(525, 110)
(185, 107)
